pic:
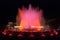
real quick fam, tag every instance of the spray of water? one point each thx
(30, 19)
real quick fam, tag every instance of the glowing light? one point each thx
(30, 18)
(10, 34)
(55, 32)
(51, 34)
(4, 33)
(16, 26)
(43, 35)
(19, 35)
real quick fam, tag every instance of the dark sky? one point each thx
(8, 9)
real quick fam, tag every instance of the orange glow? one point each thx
(27, 18)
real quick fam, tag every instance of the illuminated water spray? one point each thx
(30, 19)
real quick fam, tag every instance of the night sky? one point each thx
(8, 9)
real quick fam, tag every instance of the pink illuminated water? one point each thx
(30, 18)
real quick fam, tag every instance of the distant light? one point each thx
(43, 35)
(19, 35)
(4, 33)
(55, 32)
(10, 34)
(51, 34)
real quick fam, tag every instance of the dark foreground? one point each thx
(29, 35)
